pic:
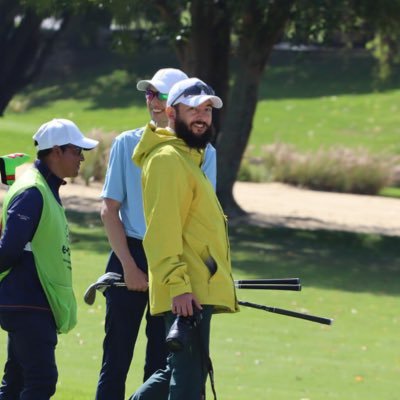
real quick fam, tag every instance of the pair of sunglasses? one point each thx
(150, 94)
(75, 149)
(198, 88)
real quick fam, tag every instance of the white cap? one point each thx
(192, 92)
(58, 132)
(163, 80)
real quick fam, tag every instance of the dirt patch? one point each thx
(275, 204)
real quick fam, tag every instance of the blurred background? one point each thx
(311, 93)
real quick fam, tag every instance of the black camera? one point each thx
(181, 330)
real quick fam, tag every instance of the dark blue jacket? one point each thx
(21, 288)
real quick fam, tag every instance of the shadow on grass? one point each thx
(323, 73)
(100, 88)
(103, 78)
(108, 80)
(324, 259)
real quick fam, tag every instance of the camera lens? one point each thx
(178, 333)
(181, 329)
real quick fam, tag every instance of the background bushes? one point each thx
(337, 169)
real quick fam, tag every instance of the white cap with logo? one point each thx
(59, 132)
(192, 92)
(163, 80)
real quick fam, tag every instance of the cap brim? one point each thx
(159, 85)
(86, 143)
(142, 85)
(194, 101)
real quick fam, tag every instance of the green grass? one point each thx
(390, 192)
(363, 120)
(314, 100)
(305, 100)
(352, 278)
(310, 100)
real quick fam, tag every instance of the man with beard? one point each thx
(122, 215)
(186, 240)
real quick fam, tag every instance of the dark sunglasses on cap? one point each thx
(196, 89)
(150, 94)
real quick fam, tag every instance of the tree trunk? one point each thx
(260, 31)
(205, 52)
(208, 50)
(24, 48)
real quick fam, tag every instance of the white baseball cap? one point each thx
(192, 92)
(163, 80)
(58, 132)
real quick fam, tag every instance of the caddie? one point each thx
(36, 295)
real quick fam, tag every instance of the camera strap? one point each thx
(211, 375)
(206, 359)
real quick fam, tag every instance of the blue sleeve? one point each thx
(23, 217)
(114, 183)
(210, 165)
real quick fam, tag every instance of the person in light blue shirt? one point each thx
(122, 215)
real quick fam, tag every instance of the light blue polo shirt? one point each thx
(123, 180)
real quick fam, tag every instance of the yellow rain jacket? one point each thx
(186, 240)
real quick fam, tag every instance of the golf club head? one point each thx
(90, 294)
(106, 280)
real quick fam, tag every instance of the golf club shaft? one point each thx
(312, 318)
(284, 281)
(246, 286)
(239, 285)
(267, 286)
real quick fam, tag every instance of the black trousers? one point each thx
(124, 312)
(30, 372)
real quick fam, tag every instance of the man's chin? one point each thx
(198, 133)
(194, 137)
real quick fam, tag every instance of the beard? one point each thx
(194, 141)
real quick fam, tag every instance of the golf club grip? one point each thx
(268, 287)
(312, 318)
(284, 281)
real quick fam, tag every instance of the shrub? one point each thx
(96, 160)
(252, 170)
(337, 169)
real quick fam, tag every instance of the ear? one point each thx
(57, 152)
(171, 113)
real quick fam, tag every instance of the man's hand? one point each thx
(183, 304)
(135, 278)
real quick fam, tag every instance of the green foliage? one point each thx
(48, 8)
(252, 172)
(385, 48)
(369, 24)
